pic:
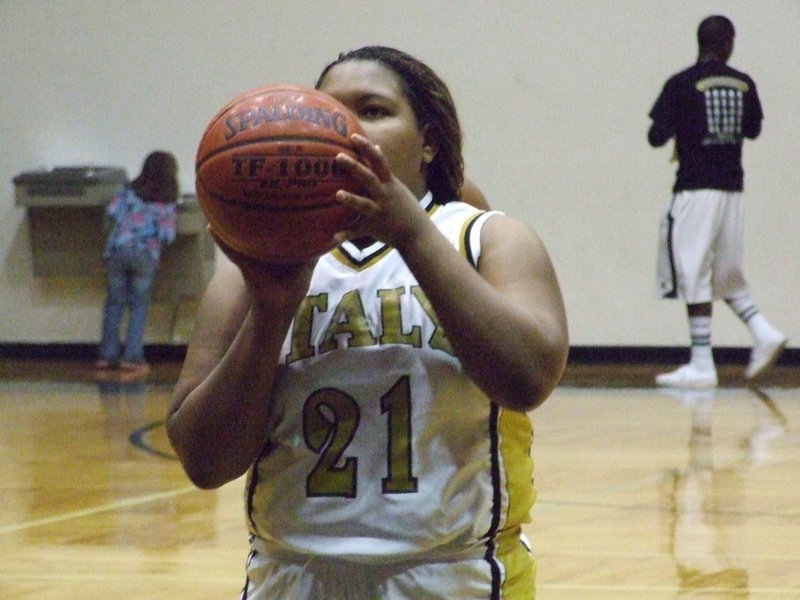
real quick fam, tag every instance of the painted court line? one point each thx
(87, 512)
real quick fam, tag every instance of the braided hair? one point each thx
(433, 108)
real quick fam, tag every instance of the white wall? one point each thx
(553, 97)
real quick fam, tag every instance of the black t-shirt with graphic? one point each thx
(709, 108)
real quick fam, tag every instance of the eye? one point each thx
(372, 111)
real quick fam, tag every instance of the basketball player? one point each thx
(708, 109)
(377, 397)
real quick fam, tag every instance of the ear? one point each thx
(429, 146)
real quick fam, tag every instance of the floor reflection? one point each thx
(123, 404)
(129, 425)
(704, 501)
(769, 425)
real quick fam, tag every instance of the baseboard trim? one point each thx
(578, 355)
(668, 355)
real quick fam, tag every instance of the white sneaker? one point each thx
(688, 376)
(764, 355)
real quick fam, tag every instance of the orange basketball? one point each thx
(266, 177)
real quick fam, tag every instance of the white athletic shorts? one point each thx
(700, 252)
(275, 575)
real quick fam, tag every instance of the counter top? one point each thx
(68, 186)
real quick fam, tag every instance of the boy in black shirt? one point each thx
(709, 109)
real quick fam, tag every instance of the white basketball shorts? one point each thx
(281, 576)
(701, 247)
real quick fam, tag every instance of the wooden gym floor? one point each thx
(643, 494)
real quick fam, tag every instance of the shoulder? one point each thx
(126, 194)
(505, 239)
(134, 200)
(462, 225)
(472, 194)
(124, 197)
(673, 87)
(687, 77)
(499, 227)
(460, 215)
(744, 77)
(737, 72)
(515, 258)
(681, 76)
(167, 209)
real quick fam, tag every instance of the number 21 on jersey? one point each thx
(330, 421)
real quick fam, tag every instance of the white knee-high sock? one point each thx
(748, 312)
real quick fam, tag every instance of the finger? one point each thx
(374, 156)
(361, 204)
(367, 179)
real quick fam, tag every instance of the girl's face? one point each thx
(374, 94)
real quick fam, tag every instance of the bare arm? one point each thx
(506, 321)
(218, 421)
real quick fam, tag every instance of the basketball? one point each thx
(265, 173)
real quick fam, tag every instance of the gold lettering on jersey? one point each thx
(349, 320)
(301, 333)
(438, 340)
(391, 320)
(349, 326)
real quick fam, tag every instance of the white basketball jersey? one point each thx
(382, 447)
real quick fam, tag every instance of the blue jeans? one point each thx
(130, 274)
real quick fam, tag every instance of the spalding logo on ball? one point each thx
(266, 177)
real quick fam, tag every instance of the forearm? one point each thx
(511, 347)
(220, 422)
